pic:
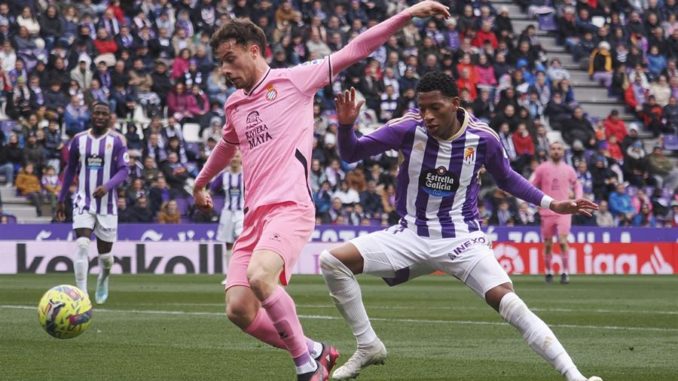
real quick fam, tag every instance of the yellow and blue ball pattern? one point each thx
(65, 312)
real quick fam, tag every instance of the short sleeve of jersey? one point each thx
(311, 76)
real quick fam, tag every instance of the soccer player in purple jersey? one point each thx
(99, 157)
(443, 147)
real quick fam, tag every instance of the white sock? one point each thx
(105, 264)
(538, 335)
(307, 367)
(345, 291)
(81, 263)
(316, 349)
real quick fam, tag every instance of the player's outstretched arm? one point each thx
(216, 162)
(351, 148)
(578, 206)
(361, 46)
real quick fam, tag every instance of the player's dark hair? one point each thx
(100, 103)
(242, 31)
(437, 80)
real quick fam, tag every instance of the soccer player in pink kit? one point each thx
(558, 180)
(270, 118)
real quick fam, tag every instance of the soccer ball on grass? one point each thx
(65, 312)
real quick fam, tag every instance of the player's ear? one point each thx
(456, 102)
(253, 49)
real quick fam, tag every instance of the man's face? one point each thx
(237, 63)
(438, 112)
(556, 151)
(101, 117)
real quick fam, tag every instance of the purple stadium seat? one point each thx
(7, 126)
(547, 22)
(671, 142)
(182, 205)
(193, 147)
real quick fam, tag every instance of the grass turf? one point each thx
(173, 328)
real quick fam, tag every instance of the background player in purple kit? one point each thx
(99, 157)
(444, 147)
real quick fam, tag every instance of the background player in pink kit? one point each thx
(270, 118)
(558, 180)
(99, 157)
(443, 148)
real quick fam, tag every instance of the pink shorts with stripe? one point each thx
(283, 228)
(555, 225)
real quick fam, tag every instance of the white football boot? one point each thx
(373, 354)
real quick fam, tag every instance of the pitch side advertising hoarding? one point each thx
(190, 249)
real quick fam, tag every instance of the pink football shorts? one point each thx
(283, 228)
(555, 225)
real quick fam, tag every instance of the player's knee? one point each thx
(240, 312)
(82, 243)
(332, 266)
(261, 281)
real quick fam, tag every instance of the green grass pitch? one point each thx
(173, 328)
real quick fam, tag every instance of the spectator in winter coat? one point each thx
(181, 104)
(615, 126)
(600, 64)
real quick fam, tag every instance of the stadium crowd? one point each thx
(151, 61)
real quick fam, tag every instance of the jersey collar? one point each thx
(255, 87)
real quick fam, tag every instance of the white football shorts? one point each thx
(398, 254)
(230, 225)
(105, 227)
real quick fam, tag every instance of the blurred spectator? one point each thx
(169, 214)
(28, 185)
(140, 212)
(662, 168)
(615, 126)
(620, 205)
(673, 215)
(51, 186)
(644, 218)
(604, 218)
(600, 64)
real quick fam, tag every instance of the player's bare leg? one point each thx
(535, 332)
(565, 257)
(338, 268)
(81, 261)
(263, 273)
(548, 259)
(105, 264)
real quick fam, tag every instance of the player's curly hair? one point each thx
(437, 80)
(242, 31)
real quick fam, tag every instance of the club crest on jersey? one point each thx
(469, 155)
(438, 182)
(271, 93)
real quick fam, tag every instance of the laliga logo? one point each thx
(657, 264)
(509, 258)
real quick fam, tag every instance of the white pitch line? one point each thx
(389, 320)
(443, 308)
